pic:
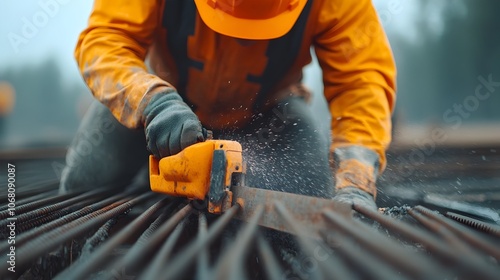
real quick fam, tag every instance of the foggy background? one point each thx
(444, 51)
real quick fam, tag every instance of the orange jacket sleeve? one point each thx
(358, 75)
(111, 52)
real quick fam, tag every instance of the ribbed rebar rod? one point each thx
(230, 264)
(203, 258)
(39, 212)
(430, 242)
(270, 262)
(472, 209)
(469, 261)
(479, 225)
(153, 270)
(174, 269)
(28, 235)
(38, 188)
(82, 268)
(414, 234)
(36, 222)
(30, 199)
(364, 262)
(21, 209)
(154, 226)
(44, 243)
(139, 253)
(332, 269)
(99, 237)
(465, 233)
(374, 241)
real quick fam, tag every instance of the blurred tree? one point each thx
(45, 108)
(442, 70)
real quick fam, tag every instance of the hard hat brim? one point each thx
(251, 29)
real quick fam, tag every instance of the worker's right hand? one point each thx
(353, 195)
(170, 125)
(355, 170)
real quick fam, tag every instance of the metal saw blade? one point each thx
(306, 210)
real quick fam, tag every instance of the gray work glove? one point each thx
(352, 195)
(170, 125)
(356, 170)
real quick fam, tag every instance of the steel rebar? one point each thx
(482, 226)
(82, 267)
(40, 221)
(174, 269)
(364, 260)
(39, 212)
(42, 244)
(230, 264)
(465, 233)
(469, 261)
(153, 270)
(270, 262)
(28, 235)
(374, 241)
(21, 202)
(203, 258)
(23, 208)
(137, 254)
(332, 269)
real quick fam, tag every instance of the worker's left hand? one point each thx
(356, 169)
(353, 195)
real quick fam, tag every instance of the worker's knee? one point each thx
(103, 154)
(85, 176)
(87, 172)
(72, 181)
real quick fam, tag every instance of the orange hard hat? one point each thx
(250, 19)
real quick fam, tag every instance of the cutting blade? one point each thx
(306, 210)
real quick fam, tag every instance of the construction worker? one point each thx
(235, 67)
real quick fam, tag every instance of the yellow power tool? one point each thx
(204, 171)
(213, 172)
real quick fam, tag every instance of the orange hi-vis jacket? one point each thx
(226, 80)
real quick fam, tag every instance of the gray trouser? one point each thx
(283, 148)
(104, 153)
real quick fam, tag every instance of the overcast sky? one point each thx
(54, 34)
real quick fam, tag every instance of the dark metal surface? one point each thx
(50, 240)
(378, 243)
(135, 234)
(84, 266)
